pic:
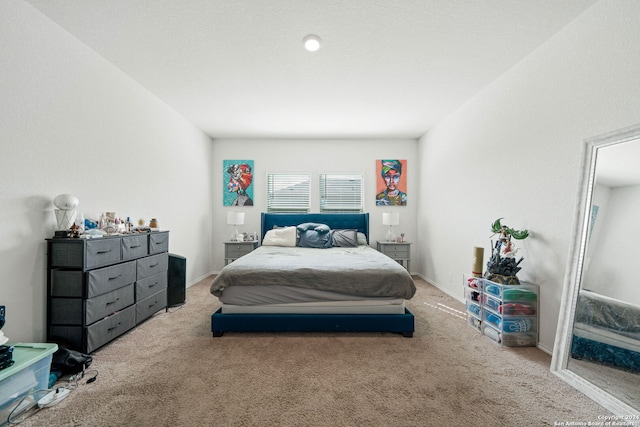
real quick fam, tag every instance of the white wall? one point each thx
(315, 156)
(611, 270)
(70, 122)
(514, 151)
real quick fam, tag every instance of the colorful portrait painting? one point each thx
(237, 180)
(391, 183)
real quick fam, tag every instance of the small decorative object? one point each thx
(66, 213)
(478, 257)
(235, 219)
(502, 267)
(74, 231)
(3, 339)
(153, 223)
(6, 351)
(390, 219)
(110, 226)
(401, 237)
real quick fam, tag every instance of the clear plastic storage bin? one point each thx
(473, 282)
(474, 308)
(29, 372)
(492, 304)
(474, 322)
(473, 296)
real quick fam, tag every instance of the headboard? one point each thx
(335, 221)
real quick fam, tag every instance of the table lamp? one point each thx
(235, 219)
(66, 205)
(390, 219)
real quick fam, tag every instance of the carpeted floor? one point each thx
(170, 371)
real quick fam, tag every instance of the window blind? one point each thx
(288, 192)
(341, 193)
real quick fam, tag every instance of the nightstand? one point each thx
(400, 252)
(234, 250)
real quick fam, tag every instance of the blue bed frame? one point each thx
(595, 351)
(395, 323)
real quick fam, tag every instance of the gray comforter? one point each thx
(608, 313)
(355, 271)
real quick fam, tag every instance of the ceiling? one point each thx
(386, 68)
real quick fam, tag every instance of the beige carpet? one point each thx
(170, 371)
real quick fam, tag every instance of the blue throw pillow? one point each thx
(321, 228)
(314, 239)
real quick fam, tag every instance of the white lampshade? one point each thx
(235, 218)
(390, 218)
(66, 202)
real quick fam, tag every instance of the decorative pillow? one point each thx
(362, 239)
(285, 236)
(321, 228)
(344, 238)
(314, 239)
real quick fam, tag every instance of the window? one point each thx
(288, 192)
(341, 193)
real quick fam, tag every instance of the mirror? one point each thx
(597, 347)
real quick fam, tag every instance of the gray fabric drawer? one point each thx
(102, 252)
(66, 283)
(148, 306)
(151, 265)
(67, 253)
(67, 311)
(103, 305)
(109, 328)
(103, 280)
(67, 334)
(158, 242)
(151, 285)
(134, 246)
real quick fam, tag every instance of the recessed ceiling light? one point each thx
(311, 42)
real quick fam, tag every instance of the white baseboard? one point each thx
(445, 290)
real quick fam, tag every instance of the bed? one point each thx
(607, 331)
(327, 280)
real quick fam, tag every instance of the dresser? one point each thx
(401, 252)
(234, 250)
(97, 289)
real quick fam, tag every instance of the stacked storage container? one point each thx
(507, 314)
(510, 313)
(473, 298)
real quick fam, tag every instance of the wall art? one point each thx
(391, 182)
(237, 182)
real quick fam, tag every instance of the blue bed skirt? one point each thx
(583, 348)
(397, 323)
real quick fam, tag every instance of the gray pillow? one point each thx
(345, 238)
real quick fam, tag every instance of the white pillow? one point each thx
(362, 239)
(285, 236)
